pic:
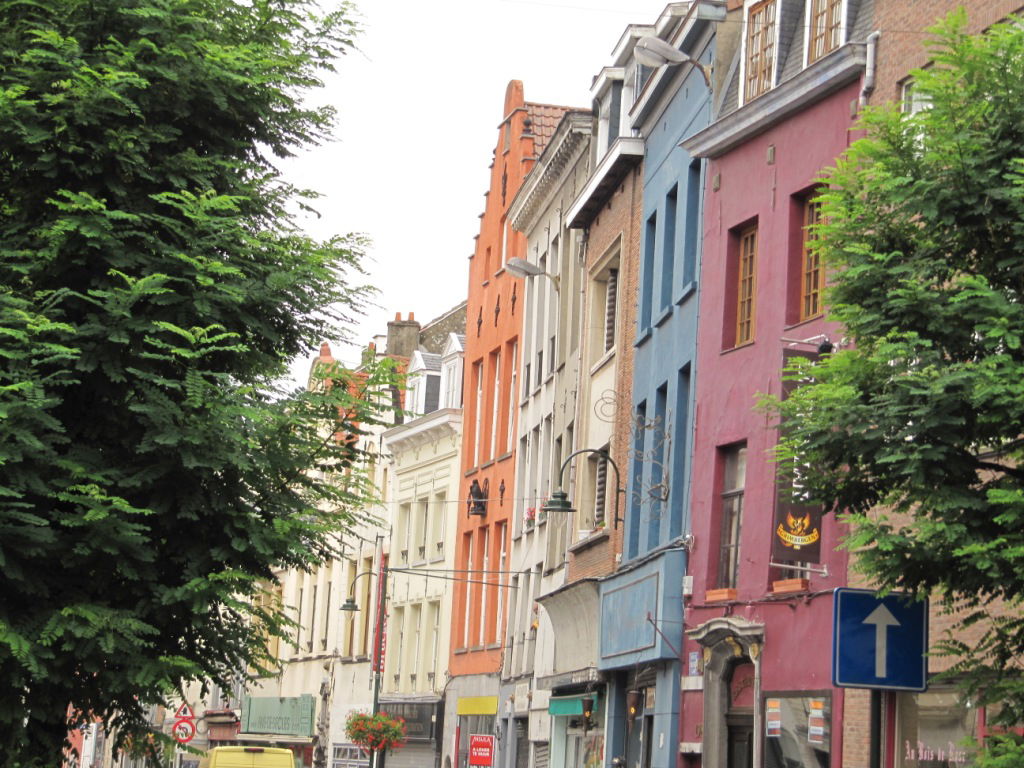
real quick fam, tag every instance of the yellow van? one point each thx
(250, 757)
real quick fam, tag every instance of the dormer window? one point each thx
(825, 31)
(760, 44)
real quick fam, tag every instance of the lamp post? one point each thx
(559, 501)
(377, 665)
(523, 268)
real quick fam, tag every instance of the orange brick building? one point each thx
(490, 387)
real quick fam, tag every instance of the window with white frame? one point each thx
(604, 310)
(500, 532)
(437, 522)
(512, 395)
(825, 27)
(348, 756)
(760, 42)
(452, 385)
(912, 100)
(496, 398)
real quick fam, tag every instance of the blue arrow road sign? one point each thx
(879, 642)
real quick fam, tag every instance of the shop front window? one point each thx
(797, 730)
(933, 729)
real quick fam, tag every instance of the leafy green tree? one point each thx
(916, 428)
(153, 286)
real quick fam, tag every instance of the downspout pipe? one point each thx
(869, 70)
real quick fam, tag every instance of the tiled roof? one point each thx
(545, 119)
(431, 362)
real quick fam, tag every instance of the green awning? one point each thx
(572, 705)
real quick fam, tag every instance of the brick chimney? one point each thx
(403, 336)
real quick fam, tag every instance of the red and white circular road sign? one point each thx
(184, 731)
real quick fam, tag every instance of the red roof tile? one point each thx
(545, 119)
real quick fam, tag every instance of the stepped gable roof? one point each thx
(545, 118)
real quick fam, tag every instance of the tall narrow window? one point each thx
(399, 621)
(298, 620)
(495, 406)
(478, 374)
(610, 298)
(647, 272)
(747, 274)
(499, 532)
(416, 629)
(760, 54)
(678, 509)
(437, 521)
(812, 275)
(326, 609)
(513, 362)
(600, 486)
(435, 636)
(312, 618)
(485, 547)
(468, 589)
(692, 234)
(419, 555)
(734, 465)
(826, 28)
(668, 247)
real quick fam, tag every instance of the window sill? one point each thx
(805, 321)
(486, 464)
(504, 456)
(460, 651)
(722, 595)
(471, 471)
(596, 537)
(787, 586)
(602, 361)
(664, 315)
(643, 335)
(737, 348)
(688, 290)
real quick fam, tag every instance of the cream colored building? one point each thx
(423, 455)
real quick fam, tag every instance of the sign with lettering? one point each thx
(773, 718)
(288, 716)
(481, 749)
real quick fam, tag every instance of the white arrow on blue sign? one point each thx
(879, 642)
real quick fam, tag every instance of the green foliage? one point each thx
(1006, 751)
(153, 286)
(915, 430)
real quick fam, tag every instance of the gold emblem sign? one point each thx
(796, 532)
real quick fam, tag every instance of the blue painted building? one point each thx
(642, 603)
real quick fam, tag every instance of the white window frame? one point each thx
(747, 5)
(843, 31)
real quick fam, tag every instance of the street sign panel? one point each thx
(184, 712)
(879, 642)
(184, 731)
(481, 749)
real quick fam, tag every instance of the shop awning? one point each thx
(572, 705)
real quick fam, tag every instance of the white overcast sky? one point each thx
(418, 108)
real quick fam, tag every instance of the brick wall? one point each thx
(620, 216)
(902, 24)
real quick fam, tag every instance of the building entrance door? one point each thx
(740, 741)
